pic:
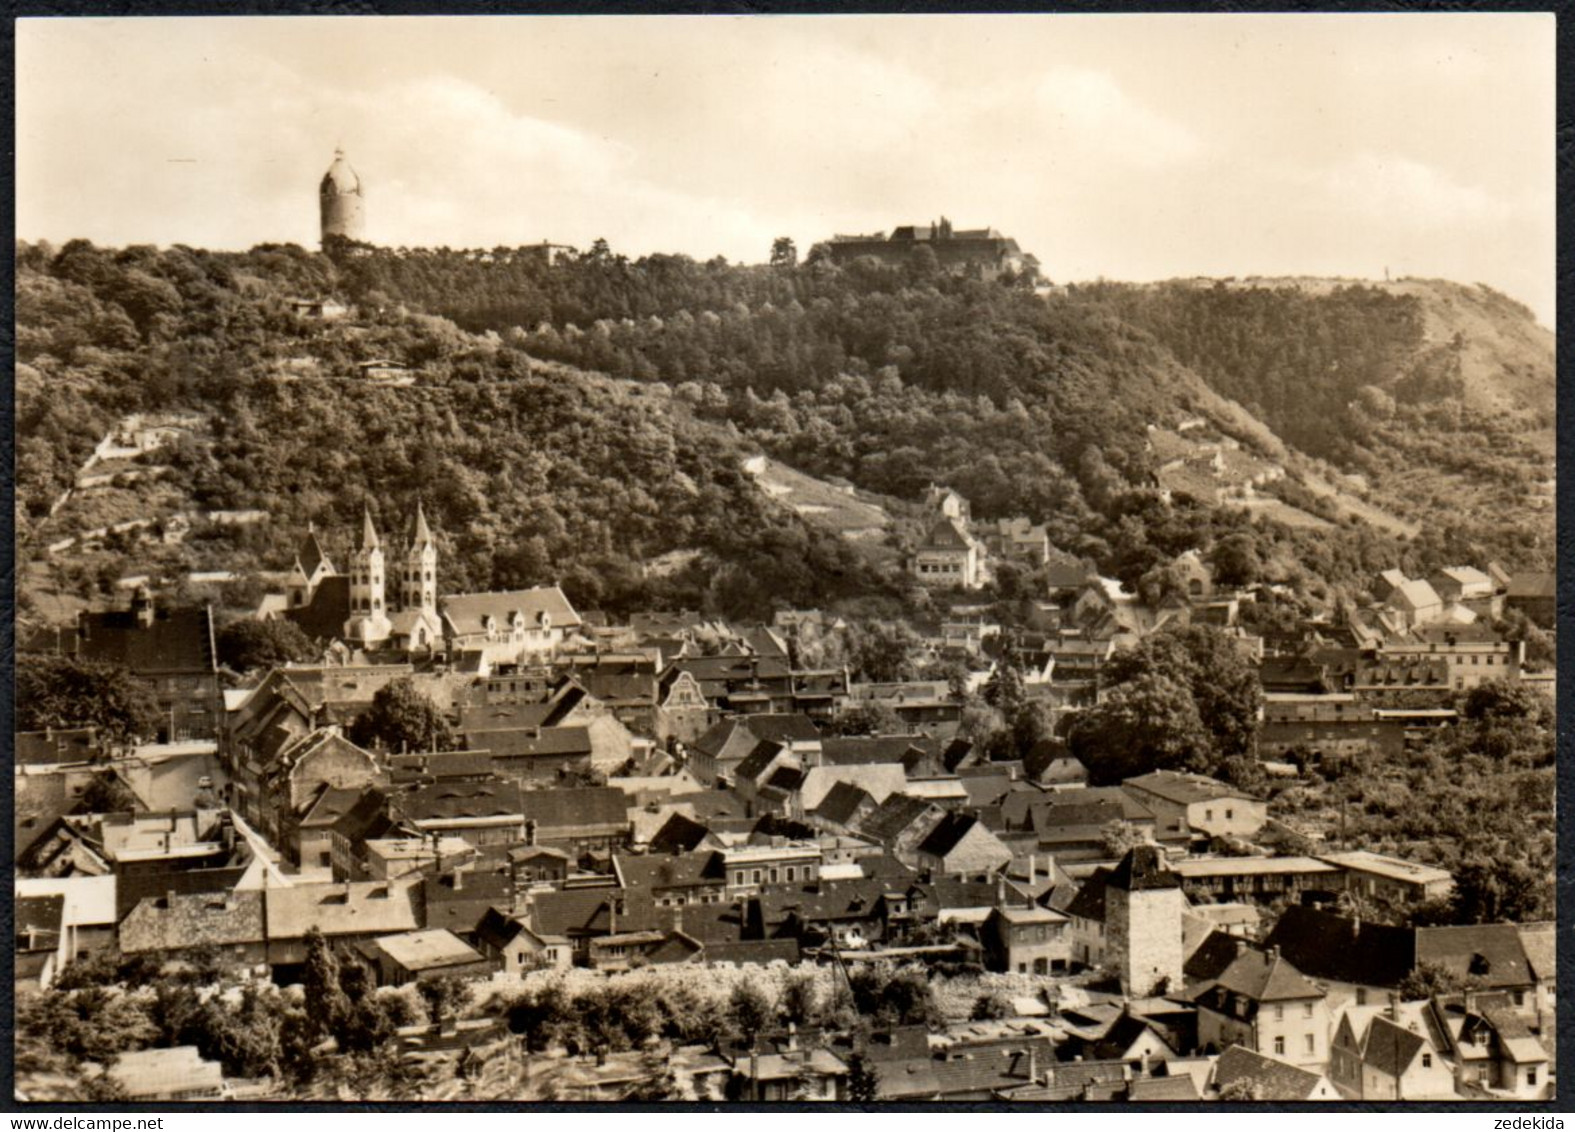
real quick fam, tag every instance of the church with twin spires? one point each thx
(354, 606)
(388, 603)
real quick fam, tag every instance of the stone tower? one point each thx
(1143, 909)
(418, 580)
(368, 611)
(343, 200)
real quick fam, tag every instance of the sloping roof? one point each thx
(588, 805)
(1217, 952)
(459, 900)
(178, 640)
(1143, 869)
(526, 743)
(947, 834)
(756, 762)
(1533, 584)
(1324, 945)
(1275, 1080)
(449, 801)
(1180, 1088)
(946, 534)
(1491, 953)
(324, 617)
(349, 908)
(679, 870)
(866, 749)
(783, 727)
(172, 923)
(727, 740)
(1183, 789)
(1390, 1048)
(892, 816)
(1540, 943)
(1415, 594)
(679, 834)
(466, 613)
(1265, 976)
(1089, 903)
(841, 802)
(576, 910)
(428, 949)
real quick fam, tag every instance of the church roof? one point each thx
(423, 533)
(369, 539)
(340, 177)
(311, 554)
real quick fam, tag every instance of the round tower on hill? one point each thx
(343, 200)
(1143, 909)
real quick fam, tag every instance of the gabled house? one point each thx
(172, 651)
(960, 845)
(507, 628)
(509, 942)
(1390, 1053)
(1495, 1053)
(1260, 1001)
(949, 556)
(578, 820)
(1204, 804)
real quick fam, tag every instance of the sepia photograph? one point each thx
(754, 560)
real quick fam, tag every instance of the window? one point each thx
(1309, 1043)
(1208, 815)
(1427, 1061)
(773, 876)
(790, 873)
(1520, 998)
(1279, 1012)
(1531, 1076)
(1307, 1010)
(1279, 1045)
(755, 877)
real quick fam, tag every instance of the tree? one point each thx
(1236, 562)
(991, 1007)
(1116, 837)
(401, 719)
(863, 1080)
(326, 1003)
(105, 793)
(866, 719)
(784, 253)
(62, 691)
(750, 1010)
(1212, 670)
(1147, 723)
(446, 996)
(1427, 979)
(247, 644)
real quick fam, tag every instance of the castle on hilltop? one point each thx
(342, 201)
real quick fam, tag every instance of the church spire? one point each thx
(369, 540)
(423, 535)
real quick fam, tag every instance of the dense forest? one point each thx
(630, 490)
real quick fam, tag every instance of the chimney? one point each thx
(1394, 1006)
(792, 1038)
(754, 1071)
(1000, 890)
(169, 898)
(1033, 1064)
(1272, 955)
(459, 880)
(1241, 946)
(1033, 868)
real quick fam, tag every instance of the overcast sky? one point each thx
(1130, 147)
